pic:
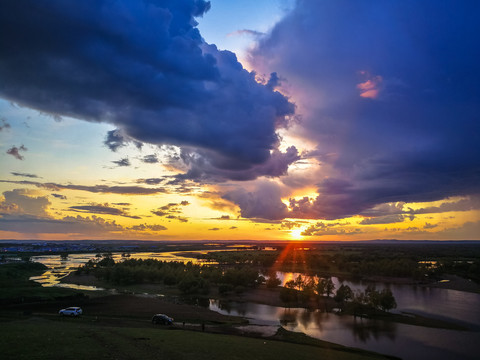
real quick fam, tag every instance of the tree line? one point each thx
(311, 290)
(189, 278)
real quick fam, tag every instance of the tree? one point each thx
(344, 293)
(288, 295)
(387, 300)
(325, 286)
(273, 281)
(299, 282)
(372, 296)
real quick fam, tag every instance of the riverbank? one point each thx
(268, 296)
(451, 282)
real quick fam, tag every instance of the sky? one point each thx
(239, 120)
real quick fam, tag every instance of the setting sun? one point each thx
(296, 234)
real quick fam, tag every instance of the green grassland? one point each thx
(62, 338)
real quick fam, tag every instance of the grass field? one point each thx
(72, 338)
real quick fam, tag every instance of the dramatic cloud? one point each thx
(209, 167)
(25, 175)
(390, 98)
(15, 151)
(264, 202)
(115, 140)
(102, 209)
(25, 202)
(144, 67)
(126, 190)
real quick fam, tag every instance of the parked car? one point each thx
(162, 319)
(71, 311)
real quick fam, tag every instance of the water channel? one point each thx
(405, 341)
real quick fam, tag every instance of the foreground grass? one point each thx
(41, 338)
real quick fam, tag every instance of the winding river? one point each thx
(405, 341)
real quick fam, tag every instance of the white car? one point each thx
(71, 311)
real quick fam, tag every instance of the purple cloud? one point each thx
(209, 167)
(390, 102)
(263, 202)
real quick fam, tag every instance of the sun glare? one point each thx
(296, 234)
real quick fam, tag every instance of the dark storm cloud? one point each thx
(105, 189)
(25, 175)
(263, 203)
(102, 209)
(206, 166)
(142, 66)
(115, 140)
(390, 98)
(15, 152)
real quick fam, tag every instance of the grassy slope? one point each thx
(17, 288)
(40, 338)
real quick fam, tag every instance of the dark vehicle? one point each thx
(71, 311)
(162, 319)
